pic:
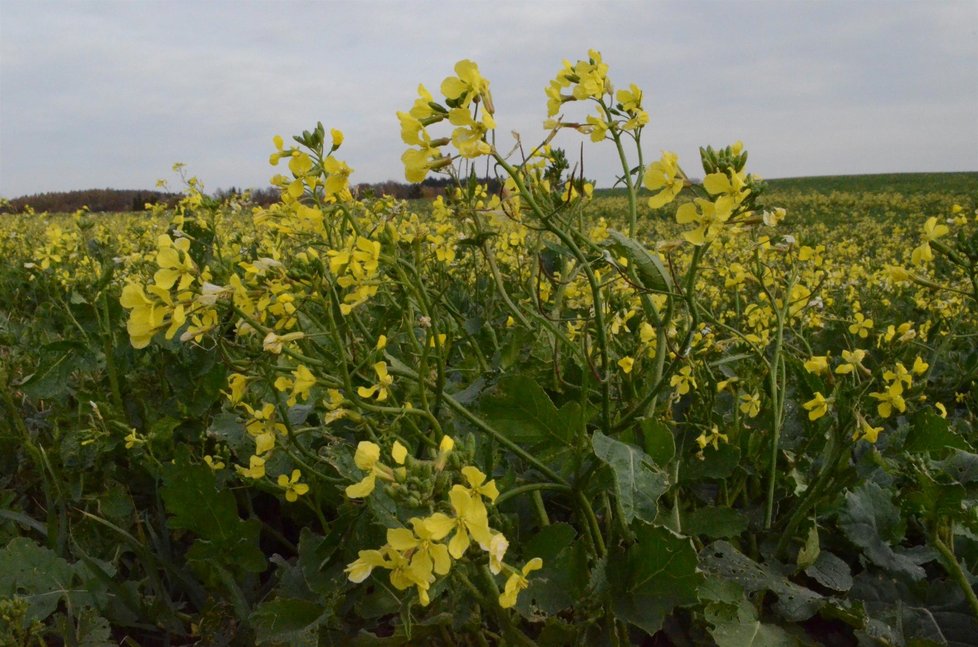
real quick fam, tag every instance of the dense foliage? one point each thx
(522, 416)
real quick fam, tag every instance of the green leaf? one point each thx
(794, 602)
(57, 362)
(564, 576)
(659, 441)
(931, 433)
(715, 523)
(654, 576)
(37, 574)
(736, 625)
(831, 572)
(290, 620)
(191, 497)
(649, 269)
(522, 411)
(961, 466)
(638, 482)
(871, 521)
(716, 464)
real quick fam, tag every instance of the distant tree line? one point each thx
(429, 189)
(95, 199)
(103, 200)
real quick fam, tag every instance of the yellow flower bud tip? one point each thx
(446, 445)
(399, 452)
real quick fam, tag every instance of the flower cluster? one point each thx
(426, 548)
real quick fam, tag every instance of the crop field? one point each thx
(684, 412)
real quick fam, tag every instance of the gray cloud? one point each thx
(112, 93)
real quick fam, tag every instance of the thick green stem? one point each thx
(776, 416)
(955, 571)
(108, 347)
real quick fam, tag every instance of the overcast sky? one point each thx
(101, 94)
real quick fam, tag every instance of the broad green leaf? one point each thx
(961, 466)
(831, 572)
(191, 497)
(931, 433)
(226, 427)
(659, 441)
(638, 482)
(564, 576)
(736, 625)
(715, 523)
(716, 464)
(57, 361)
(521, 410)
(652, 577)
(794, 602)
(287, 620)
(36, 574)
(648, 267)
(871, 521)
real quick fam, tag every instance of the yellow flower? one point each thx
(367, 561)
(890, 399)
(665, 177)
(380, 390)
(862, 325)
(255, 469)
(517, 582)
(919, 366)
(817, 406)
(337, 137)
(900, 374)
(399, 452)
(366, 458)
(497, 550)
(471, 518)
(461, 90)
(723, 384)
(730, 188)
(444, 449)
(427, 555)
(851, 361)
(709, 216)
(338, 182)
(478, 485)
(866, 431)
(626, 364)
(923, 253)
(817, 364)
(293, 489)
(213, 464)
(750, 404)
(683, 380)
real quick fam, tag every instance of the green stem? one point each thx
(108, 348)
(529, 487)
(955, 571)
(775, 375)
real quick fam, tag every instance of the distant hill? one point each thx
(906, 183)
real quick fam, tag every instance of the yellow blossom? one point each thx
(665, 178)
(517, 582)
(817, 407)
(293, 489)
